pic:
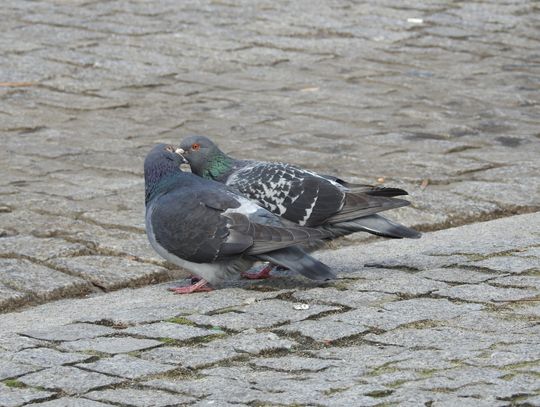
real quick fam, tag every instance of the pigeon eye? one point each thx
(170, 149)
(195, 147)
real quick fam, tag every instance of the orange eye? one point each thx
(195, 147)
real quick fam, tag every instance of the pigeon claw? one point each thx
(263, 273)
(199, 287)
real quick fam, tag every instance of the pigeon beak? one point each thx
(181, 152)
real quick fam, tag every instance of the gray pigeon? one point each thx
(298, 195)
(206, 228)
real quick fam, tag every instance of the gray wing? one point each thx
(206, 225)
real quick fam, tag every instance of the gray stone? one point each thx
(295, 363)
(46, 357)
(348, 298)
(13, 342)
(509, 264)
(140, 398)
(71, 402)
(486, 293)
(191, 357)
(438, 338)
(39, 248)
(10, 298)
(71, 332)
(42, 282)
(170, 330)
(451, 275)
(126, 366)
(9, 369)
(14, 397)
(68, 379)
(532, 282)
(252, 342)
(261, 314)
(401, 283)
(111, 345)
(109, 272)
(328, 330)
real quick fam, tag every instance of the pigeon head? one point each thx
(204, 157)
(160, 163)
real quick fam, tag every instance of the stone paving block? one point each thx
(252, 342)
(15, 397)
(443, 338)
(531, 282)
(170, 330)
(40, 248)
(110, 272)
(192, 357)
(486, 293)
(46, 357)
(142, 398)
(40, 281)
(450, 275)
(72, 402)
(329, 330)
(13, 342)
(126, 366)
(509, 264)
(399, 284)
(68, 379)
(71, 332)
(347, 298)
(260, 314)
(484, 322)
(295, 363)
(111, 345)
(9, 368)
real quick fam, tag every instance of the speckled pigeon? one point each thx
(208, 229)
(298, 195)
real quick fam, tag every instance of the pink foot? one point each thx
(264, 273)
(198, 287)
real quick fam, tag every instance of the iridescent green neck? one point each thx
(217, 165)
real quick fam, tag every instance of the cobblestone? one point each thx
(126, 366)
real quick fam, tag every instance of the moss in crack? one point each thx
(379, 393)
(14, 383)
(181, 321)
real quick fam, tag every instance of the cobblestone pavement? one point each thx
(451, 320)
(446, 108)
(440, 98)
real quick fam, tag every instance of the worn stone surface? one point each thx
(126, 366)
(71, 402)
(111, 345)
(367, 338)
(68, 379)
(15, 397)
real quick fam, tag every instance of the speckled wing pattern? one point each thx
(306, 198)
(300, 196)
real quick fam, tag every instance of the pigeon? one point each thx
(299, 195)
(212, 231)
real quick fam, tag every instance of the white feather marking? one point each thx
(308, 211)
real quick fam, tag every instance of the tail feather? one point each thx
(294, 258)
(374, 224)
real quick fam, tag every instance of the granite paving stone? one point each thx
(111, 345)
(9, 368)
(509, 264)
(126, 366)
(46, 357)
(486, 293)
(71, 332)
(140, 398)
(68, 379)
(72, 402)
(190, 357)
(170, 330)
(15, 397)
(330, 330)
